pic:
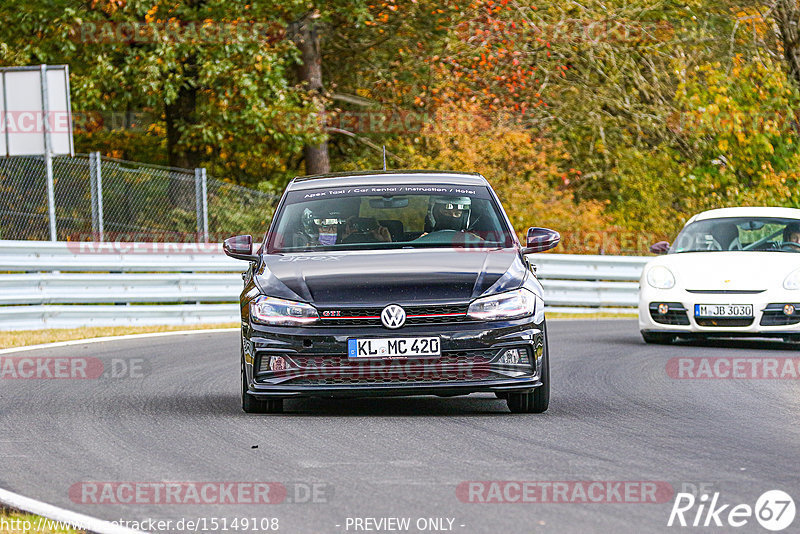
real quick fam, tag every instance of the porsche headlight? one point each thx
(508, 305)
(660, 277)
(275, 311)
(793, 280)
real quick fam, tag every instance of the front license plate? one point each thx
(723, 310)
(393, 347)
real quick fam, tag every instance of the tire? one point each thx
(657, 338)
(252, 404)
(538, 400)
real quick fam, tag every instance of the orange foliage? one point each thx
(526, 171)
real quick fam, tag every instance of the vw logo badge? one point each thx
(393, 316)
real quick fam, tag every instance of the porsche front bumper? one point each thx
(768, 319)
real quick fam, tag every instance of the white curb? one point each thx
(73, 519)
(114, 338)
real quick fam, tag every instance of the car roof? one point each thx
(409, 177)
(755, 211)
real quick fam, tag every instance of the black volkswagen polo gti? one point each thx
(392, 283)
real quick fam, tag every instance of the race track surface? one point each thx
(615, 415)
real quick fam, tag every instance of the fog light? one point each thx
(277, 363)
(514, 356)
(788, 309)
(663, 309)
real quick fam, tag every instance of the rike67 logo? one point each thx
(774, 510)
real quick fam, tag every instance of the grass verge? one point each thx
(21, 338)
(13, 522)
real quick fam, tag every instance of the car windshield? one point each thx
(740, 233)
(402, 216)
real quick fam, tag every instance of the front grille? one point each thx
(724, 321)
(435, 314)
(451, 366)
(400, 379)
(675, 316)
(774, 316)
(465, 357)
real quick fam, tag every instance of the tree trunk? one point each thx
(305, 34)
(787, 18)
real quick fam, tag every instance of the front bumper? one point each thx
(316, 362)
(768, 319)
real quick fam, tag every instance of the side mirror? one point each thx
(662, 247)
(240, 247)
(541, 239)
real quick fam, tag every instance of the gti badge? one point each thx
(393, 316)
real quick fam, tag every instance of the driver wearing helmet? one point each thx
(791, 234)
(448, 213)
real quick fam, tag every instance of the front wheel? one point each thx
(538, 400)
(657, 338)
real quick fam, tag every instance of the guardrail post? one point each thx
(201, 202)
(96, 186)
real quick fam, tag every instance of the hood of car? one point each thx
(378, 278)
(733, 271)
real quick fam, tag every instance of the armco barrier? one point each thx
(67, 285)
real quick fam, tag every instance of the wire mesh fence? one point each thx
(145, 199)
(72, 194)
(23, 199)
(238, 210)
(106, 199)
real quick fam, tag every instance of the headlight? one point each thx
(793, 280)
(508, 305)
(274, 311)
(660, 277)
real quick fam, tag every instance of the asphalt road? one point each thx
(615, 415)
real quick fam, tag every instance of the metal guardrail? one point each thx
(67, 285)
(85, 256)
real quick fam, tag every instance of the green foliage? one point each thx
(233, 211)
(741, 134)
(524, 170)
(248, 119)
